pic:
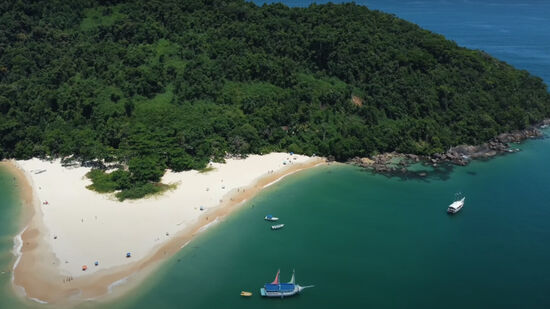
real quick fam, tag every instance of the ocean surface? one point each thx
(369, 241)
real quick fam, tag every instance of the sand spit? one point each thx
(67, 226)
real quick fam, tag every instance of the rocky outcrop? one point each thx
(460, 155)
(517, 136)
(389, 162)
(394, 162)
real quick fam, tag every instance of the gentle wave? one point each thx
(17, 246)
(117, 283)
(185, 244)
(38, 300)
(207, 226)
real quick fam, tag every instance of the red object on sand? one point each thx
(84, 268)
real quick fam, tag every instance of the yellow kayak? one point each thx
(245, 293)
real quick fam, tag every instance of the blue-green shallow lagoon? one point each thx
(9, 224)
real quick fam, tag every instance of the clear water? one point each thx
(366, 240)
(9, 226)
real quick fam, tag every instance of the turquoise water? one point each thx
(367, 240)
(9, 225)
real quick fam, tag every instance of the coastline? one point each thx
(35, 276)
(394, 163)
(39, 275)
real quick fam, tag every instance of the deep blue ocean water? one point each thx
(368, 241)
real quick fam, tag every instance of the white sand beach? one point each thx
(72, 226)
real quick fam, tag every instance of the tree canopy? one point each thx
(176, 83)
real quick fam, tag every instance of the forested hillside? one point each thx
(175, 83)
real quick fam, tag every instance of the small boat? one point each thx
(276, 227)
(277, 289)
(246, 293)
(271, 218)
(457, 205)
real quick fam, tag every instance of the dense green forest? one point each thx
(176, 83)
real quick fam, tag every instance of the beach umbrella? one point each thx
(84, 267)
(128, 255)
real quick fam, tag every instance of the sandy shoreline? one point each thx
(77, 227)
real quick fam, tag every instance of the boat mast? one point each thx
(293, 280)
(276, 281)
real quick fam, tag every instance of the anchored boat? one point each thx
(277, 289)
(457, 205)
(271, 218)
(276, 227)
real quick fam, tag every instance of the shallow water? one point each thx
(9, 225)
(368, 240)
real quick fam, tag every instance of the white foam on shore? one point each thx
(281, 178)
(17, 246)
(38, 300)
(207, 226)
(117, 283)
(185, 244)
(278, 179)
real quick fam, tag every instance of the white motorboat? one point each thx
(271, 218)
(456, 206)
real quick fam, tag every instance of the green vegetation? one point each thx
(100, 16)
(128, 185)
(175, 84)
(206, 169)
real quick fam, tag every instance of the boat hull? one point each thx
(456, 206)
(265, 293)
(454, 211)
